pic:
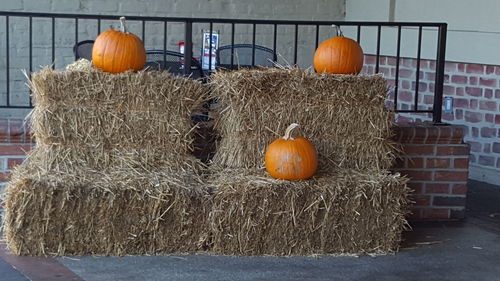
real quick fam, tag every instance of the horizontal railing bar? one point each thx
(414, 111)
(222, 20)
(17, 106)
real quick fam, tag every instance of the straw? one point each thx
(345, 212)
(343, 115)
(93, 213)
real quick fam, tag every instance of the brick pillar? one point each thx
(15, 141)
(436, 160)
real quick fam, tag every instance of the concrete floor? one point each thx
(7, 272)
(468, 250)
(438, 252)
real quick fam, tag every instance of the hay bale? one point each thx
(89, 111)
(146, 91)
(93, 213)
(343, 115)
(347, 212)
(112, 172)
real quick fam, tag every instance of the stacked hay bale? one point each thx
(112, 172)
(353, 205)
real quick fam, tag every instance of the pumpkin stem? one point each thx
(289, 131)
(339, 32)
(122, 25)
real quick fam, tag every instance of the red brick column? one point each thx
(436, 160)
(15, 141)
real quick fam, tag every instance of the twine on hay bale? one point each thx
(345, 212)
(343, 115)
(93, 213)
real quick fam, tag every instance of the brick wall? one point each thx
(14, 143)
(476, 104)
(436, 160)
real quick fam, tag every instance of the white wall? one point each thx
(367, 10)
(473, 26)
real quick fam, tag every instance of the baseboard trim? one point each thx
(484, 174)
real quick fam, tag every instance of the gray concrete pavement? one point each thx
(439, 252)
(8, 272)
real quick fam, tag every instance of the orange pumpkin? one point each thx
(338, 55)
(290, 158)
(118, 51)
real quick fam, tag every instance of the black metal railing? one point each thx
(188, 23)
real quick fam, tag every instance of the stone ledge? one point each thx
(428, 133)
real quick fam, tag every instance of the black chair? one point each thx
(242, 56)
(83, 49)
(173, 62)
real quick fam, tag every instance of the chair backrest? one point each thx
(242, 56)
(83, 49)
(173, 62)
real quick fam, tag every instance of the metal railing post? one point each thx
(188, 47)
(417, 72)
(440, 62)
(209, 48)
(379, 35)
(7, 62)
(53, 59)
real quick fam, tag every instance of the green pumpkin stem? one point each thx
(289, 131)
(339, 32)
(123, 28)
